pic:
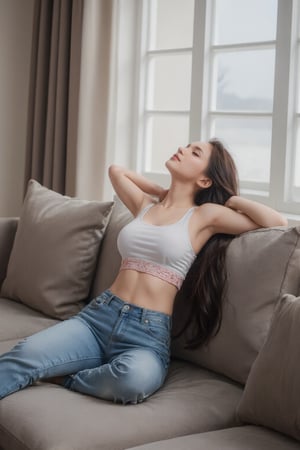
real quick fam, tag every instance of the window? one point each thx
(167, 93)
(226, 69)
(242, 63)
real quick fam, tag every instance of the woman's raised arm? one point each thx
(261, 214)
(241, 214)
(133, 189)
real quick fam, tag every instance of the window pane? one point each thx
(244, 80)
(170, 82)
(297, 159)
(249, 142)
(164, 134)
(245, 21)
(172, 23)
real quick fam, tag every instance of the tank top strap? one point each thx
(188, 214)
(144, 210)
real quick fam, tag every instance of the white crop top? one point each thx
(164, 251)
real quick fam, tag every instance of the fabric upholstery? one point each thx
(8, 228)
(6, 346)
(45, 416)
(239, 438)
(261, 265)
(18, 321)
(55, 250)
(272, 393)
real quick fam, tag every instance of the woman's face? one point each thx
(190, 163)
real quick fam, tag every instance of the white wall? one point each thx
(16, 18)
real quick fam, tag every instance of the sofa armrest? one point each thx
(8, 228)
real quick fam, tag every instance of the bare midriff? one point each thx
(144, 290)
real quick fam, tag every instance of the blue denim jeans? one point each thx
(112, 350)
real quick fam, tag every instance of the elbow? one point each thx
(114, 170)
(284, 222)
(280, 222)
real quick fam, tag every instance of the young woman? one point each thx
(118, 347)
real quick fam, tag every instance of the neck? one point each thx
(180, 195)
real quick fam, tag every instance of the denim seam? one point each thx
(64, 363)
(36, 371)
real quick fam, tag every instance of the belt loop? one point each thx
(144, 315)
(109, 299)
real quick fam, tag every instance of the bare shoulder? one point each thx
(223, 219)
(208, 212)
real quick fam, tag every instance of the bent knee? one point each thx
(138, 374)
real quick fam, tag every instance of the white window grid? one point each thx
(278, 193)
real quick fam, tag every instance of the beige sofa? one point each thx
(242, 392)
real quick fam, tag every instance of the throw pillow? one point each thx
(55, 250)
(272, 392)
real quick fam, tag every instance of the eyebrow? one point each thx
(196, 147)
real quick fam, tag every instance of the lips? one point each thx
(175, 156)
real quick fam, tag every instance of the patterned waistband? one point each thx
(151, 268)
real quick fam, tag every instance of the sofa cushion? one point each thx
(261, 265)
(238, 438)
(6, 346)
(44, 416)
(18, 321)
(272, 392)
(8, 228)
(55, 250)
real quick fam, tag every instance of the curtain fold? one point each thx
(54, 91)
(69, 96)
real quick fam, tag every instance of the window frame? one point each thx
(276, 193)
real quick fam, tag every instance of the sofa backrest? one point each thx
(261, 265)
(8, 228)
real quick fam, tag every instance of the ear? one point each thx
(204, 183)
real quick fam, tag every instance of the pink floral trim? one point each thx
(157, 270)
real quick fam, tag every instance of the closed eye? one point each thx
(196, 152)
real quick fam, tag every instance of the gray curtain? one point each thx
(54, 92)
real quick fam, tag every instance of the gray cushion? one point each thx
(18, 321)
(272, 392)
(54, 254)
(45, 416)
(239, 438)
(261, 265)
(7, 345)
(8, 228)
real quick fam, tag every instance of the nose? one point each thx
(180, 150)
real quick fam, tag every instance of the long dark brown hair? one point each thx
(204, 287)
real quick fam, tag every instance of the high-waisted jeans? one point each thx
(112, 350)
